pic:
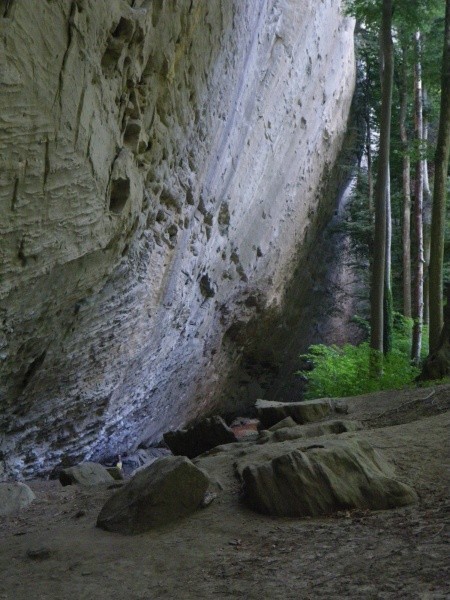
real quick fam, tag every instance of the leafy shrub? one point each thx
(344, 371)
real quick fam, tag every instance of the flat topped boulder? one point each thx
(87, 474)
(169, 489)
(14, 497)
(322, 478)
(270, 412)
(298, 432)
(199, 438)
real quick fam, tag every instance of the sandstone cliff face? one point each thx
(161, 164)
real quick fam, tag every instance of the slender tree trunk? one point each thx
(427, 201)
(439, 196)
(378, 271)
(388, 322)
(368, 137)
(418, 210)
(406, 237)
(369, 168)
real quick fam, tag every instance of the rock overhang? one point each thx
(162, 172)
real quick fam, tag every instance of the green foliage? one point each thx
(408, 15)
(340, 372)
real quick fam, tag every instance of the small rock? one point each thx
(209, 497)
(143, 457)
(14, 497)
(115, 473)
(40, 553)
(66, 462)
(87, 474)
(200, 438)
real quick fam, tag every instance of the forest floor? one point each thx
(227, 551)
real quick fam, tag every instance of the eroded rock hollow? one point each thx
(162, 167)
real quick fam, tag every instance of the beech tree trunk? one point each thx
(418, 211)
(369, 167)
(406, 237)
(439, 198)
(368, 140)
(378, 270)
(388, 323)
(427, 201)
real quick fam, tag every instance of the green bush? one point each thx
(344, 371)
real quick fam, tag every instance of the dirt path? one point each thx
(227, 551)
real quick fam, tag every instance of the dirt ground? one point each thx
(227, 551)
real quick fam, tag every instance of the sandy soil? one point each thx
(227, 551)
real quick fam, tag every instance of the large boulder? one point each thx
(14, 497)
(199, 438)
(297, 432)
(87, 474)
(323, 478)
(170, 488)
(271, 412)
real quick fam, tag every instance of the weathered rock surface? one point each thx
(324, 478)
(169, 489)
(162, 170)
(116, 473)
(87, 474)
(287, 422)
(141, 458)
(14, 497)
(199, 438)
(296, 432)
(271, 412)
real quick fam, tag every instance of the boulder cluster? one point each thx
(293, 461)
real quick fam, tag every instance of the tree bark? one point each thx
(437, 364)
(439, 197)
(388, 317)
(378, 271)
(406, 237)
(427, 201)
(418, 209)
(369, 139)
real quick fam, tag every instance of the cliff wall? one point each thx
(162, 166)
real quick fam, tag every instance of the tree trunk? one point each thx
(406, 238)
(427, 200)
(369, 168)
(439, 197)
(378, 271)
(368, 136)
(437, 364)
(418, 211)
(388, 318)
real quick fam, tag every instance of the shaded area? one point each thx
(227, 551)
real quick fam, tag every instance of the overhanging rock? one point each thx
(162, 178)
